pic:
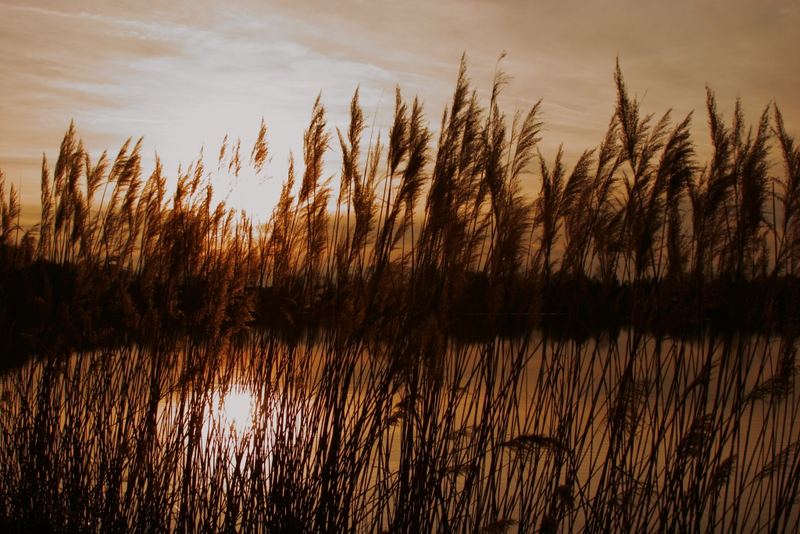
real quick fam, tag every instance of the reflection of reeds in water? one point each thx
(348, 329)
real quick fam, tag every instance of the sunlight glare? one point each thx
(236, 410)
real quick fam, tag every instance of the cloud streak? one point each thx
(184, 74)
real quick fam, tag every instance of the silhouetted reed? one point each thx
(637, 212)
(440, 351)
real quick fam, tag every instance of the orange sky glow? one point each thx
(184, 74)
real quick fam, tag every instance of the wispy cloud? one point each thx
(185, 73)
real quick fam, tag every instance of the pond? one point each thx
(634, 432)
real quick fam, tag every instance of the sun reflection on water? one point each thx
(235, 410)
(230, 416)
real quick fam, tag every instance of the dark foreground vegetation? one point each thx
(633, 433)
(439, 352)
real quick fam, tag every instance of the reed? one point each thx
(443, 351)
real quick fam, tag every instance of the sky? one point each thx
(183, 74)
